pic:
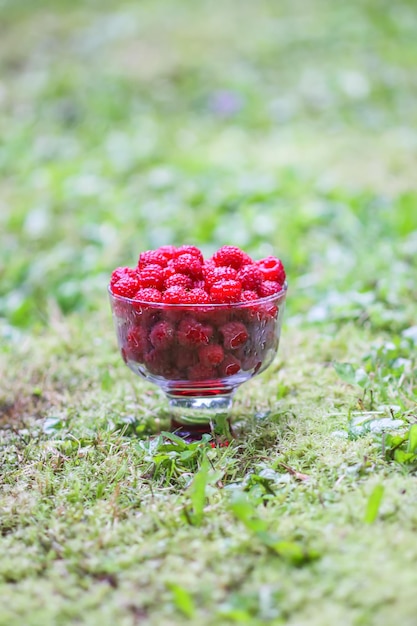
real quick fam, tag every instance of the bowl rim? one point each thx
(203, 305)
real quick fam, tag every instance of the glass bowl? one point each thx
(198, 354)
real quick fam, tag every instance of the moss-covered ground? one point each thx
(285, 128)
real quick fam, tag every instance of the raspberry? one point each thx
(185, 358)
(169, 270)
(247, 260)
(249, 313)
(188, 264)
(224, 291)
(267, 312)
(234, 334)
(175, 295)
(178, 280)
(211, 355)
(198, 296)
(232, 256)
(167, 251)
(159, 363)
(249, 296)
(217, 317)
(148, 294)
(230, 366)
(269, 288)
(201, 372)
(250, 276)
(137, 344)
(272, 269)
(192, 333)
(137, 337)
(162, 335)
(151, 276)
(214, 274)
(151, 257)
(199, 284)
(193, 250)
(126, 286)
(121, 272)
(208, 264)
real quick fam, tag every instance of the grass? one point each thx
(292, 127)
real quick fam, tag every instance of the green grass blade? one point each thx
(374, 502)
(197, 493)
(182, 600)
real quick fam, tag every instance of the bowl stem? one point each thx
(194, 416)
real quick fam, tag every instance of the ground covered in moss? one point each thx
(285, 128)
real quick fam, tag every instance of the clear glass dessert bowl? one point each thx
(198, 354)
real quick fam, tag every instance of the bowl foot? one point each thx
(192, 417)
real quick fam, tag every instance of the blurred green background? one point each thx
(283, 127)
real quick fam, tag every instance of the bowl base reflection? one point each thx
(193, 416)
(195, 432)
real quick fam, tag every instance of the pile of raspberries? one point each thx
(182, 276)
(202, 342)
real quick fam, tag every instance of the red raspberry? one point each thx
(249, 296)
(211, 355)
(178, 280)
(159, 363)
(267, 312)
(224, 291)
(148, 295)
(199, 284)
(169, 270)
(121, 272)
(214, 274)
(193, 250)
(167, 251)
(192, 333)
(184, 358)
(188, 264)
(201, 372)
(268, 288)
(152, 257)
(137, 337)
(198, 296)
(151, 276)
(126, 286)
(137, 344)
(235, 334)
(250, 276)
(162, 335)
(209, 264)
(247, 260)
(231, 255)
(213, 315)
(175, 295)
(230, 366)
(272, 269)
